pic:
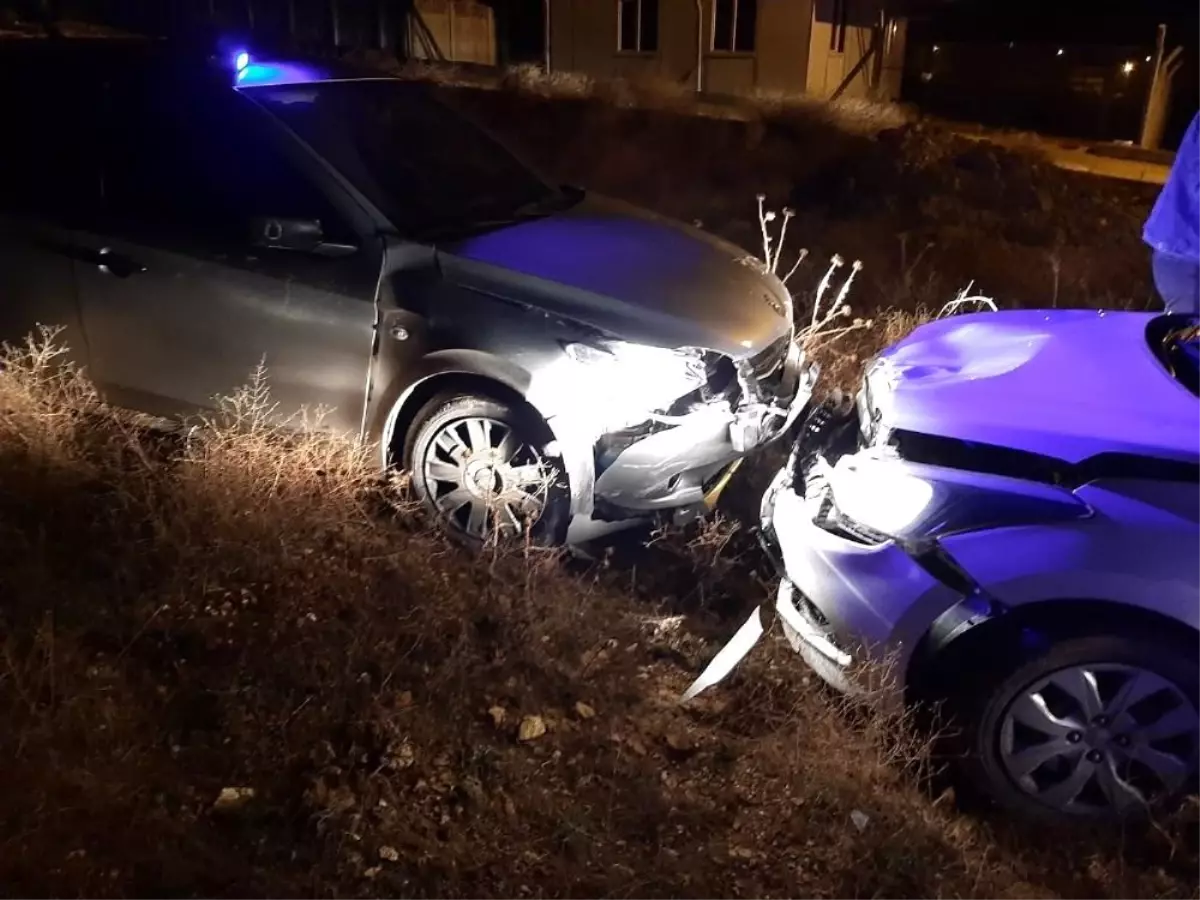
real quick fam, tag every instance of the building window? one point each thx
(734, 25)
(637, 26)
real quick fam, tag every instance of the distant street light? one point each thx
(1128, 67)
(1060, 52)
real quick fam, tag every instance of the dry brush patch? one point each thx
(233, 663)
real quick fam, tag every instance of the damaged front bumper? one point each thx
(853, 606)
(681, 457)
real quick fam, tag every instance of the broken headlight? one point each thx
(624, 383)
(908, 502)
(641, 369)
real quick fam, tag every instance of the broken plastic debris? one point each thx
(729, 656)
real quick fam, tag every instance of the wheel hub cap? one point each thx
(483, 480)
(1100, 739)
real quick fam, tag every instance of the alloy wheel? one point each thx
(1100, 739)
(484, 480)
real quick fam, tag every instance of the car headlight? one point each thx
(887, 502)
(908, 502)
(667, 374)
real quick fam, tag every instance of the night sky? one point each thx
(1111, 21)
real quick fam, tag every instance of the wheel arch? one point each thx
(994, 640)
(405, 410)
(472, 370)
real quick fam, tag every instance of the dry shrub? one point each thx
(44, 399)
(647, 92)
(534, 80)
(852, 114)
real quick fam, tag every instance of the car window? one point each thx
(426, 166)
(199, 165)
(48, 163)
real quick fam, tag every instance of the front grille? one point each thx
(829, 432)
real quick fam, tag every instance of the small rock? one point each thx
(232, 799)
(531, 728)
(402, 756)
(474, 791)
(372, 872)
(680, 741)
(388, 853)
(860, 819)
(584, 711)
(498, 715)
(741, 853)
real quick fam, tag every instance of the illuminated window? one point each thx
(637, 26)
(734, 24)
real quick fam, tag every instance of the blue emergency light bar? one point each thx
(249, 72)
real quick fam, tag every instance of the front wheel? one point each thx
(478, 465)
(1094, 728)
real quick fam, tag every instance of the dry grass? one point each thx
(646, 92)
(233, 664)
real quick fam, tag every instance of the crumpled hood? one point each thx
(630, 273)
(1065, 383)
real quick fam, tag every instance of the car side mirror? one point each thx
(296, 235)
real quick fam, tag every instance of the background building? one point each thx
(735, 46)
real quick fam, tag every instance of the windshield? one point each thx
(432, 172)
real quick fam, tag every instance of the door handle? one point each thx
(117, 264)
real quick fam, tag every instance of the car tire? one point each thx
(1050, 739)
(473, 459)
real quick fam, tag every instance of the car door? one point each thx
(49, 180)
(181, 304)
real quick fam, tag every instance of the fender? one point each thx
(405, 390)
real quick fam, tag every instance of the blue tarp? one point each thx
(1173, 227)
